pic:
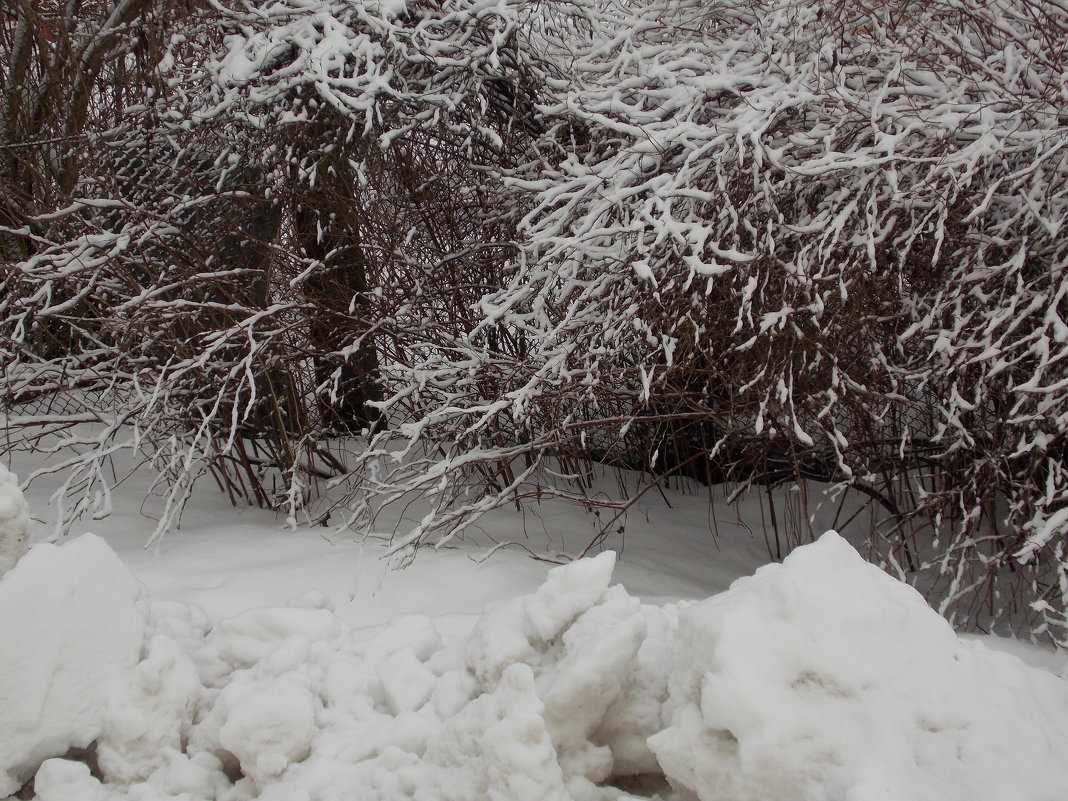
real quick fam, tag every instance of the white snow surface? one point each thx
(14, 521)
(824, 678)
(820, 678)
(70, 633)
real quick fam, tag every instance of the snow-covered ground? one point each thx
(239, 660)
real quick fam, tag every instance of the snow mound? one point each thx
(825, 678)
(821, 678)
(14, 521)
(70, 631)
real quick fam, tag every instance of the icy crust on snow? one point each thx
(821, 678)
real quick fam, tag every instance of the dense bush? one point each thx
(823, 242)
(745, 241)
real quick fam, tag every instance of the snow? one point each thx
(269, 729)
(71, 630)
(148, 717)
(14, 521)
(818, 678)
(565, 594)
(823, 677)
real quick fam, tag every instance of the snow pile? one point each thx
(825, 678)
(819, 678)
(14, 521)
(534, 704)
(70, 631)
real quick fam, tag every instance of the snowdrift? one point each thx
(69, 628)
(14, 521)
(820, 678)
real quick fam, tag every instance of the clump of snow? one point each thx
(149, 715)
(406, 683)
(566, 594)
(70, 632)
(14, 521)
(63, 779)
(821, 678)
(270, 728)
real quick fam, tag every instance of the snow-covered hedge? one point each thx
(778, 240)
